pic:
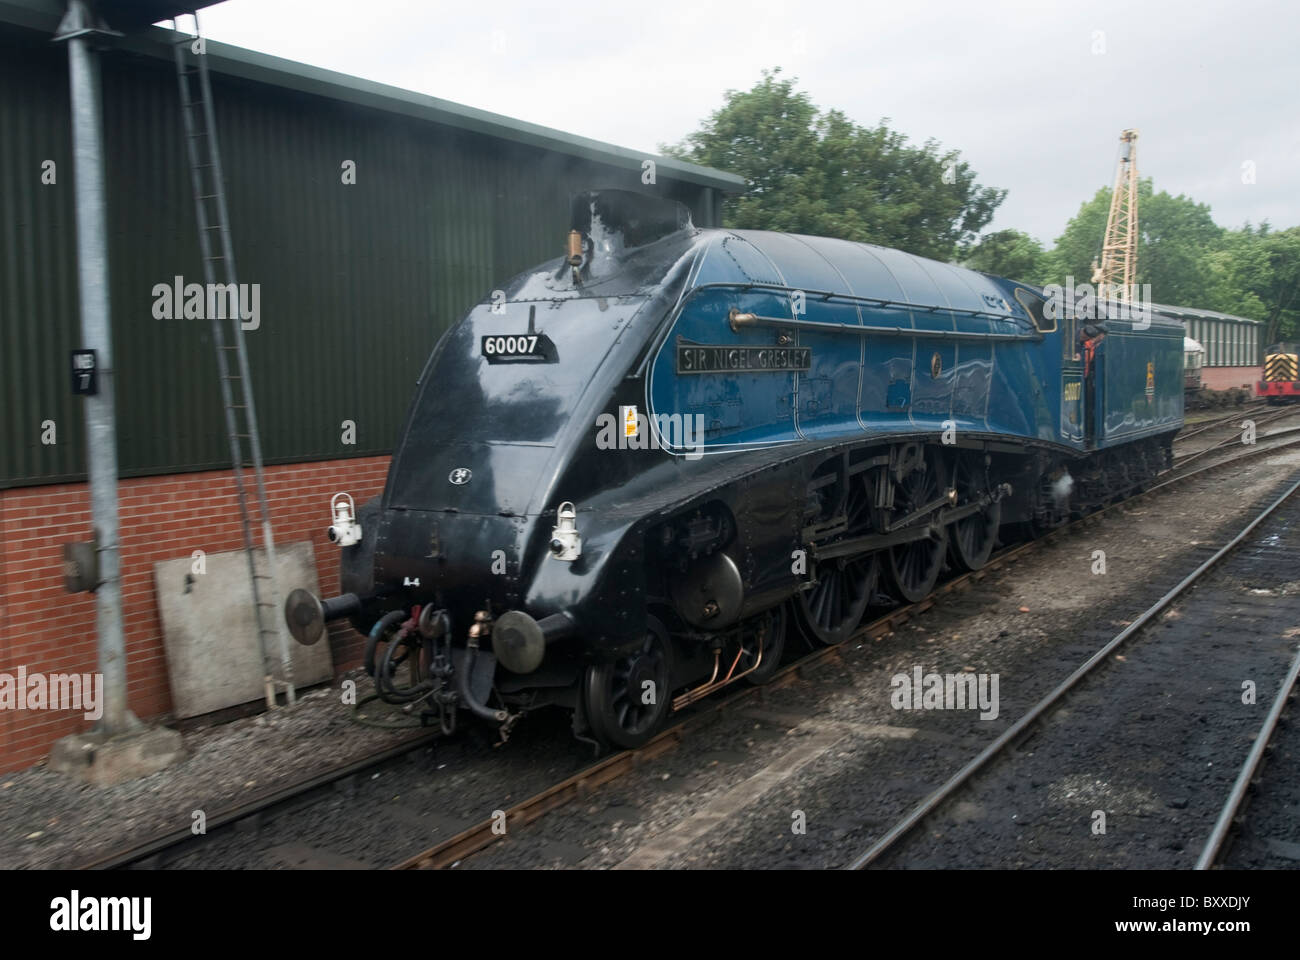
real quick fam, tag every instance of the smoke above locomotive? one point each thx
(635, 473)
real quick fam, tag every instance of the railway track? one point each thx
(456, 849)
(891, 839)
(160, 850)
(1196, 429)
(1183, 459)
(1231, 813)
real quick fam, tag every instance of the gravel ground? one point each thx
(48, 820)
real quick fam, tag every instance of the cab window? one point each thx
(1033, 305)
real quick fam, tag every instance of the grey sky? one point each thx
(1013, 84)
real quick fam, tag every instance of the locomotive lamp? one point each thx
(566, 545)
(345, 530)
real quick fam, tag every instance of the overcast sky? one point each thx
(1033, 94)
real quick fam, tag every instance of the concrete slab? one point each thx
(210, 635)
(104, 761)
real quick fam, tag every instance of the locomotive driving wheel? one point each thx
(914, 566)
(830, 611)
(972, 538)
(627, 699)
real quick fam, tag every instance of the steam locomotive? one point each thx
(658, 459)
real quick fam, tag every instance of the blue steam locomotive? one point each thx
(633, 473)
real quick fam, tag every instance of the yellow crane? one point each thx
(1116, 275)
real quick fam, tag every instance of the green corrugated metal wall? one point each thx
(357, 282)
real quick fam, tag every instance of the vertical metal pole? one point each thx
(96, 334)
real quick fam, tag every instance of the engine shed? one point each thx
(1231, 346)
(366, 218)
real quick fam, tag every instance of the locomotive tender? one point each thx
(626, 481)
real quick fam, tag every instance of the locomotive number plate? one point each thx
(518, 348)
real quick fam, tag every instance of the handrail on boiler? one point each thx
(739, 320)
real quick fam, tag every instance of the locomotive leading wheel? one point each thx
(830, 611)
(628, 699)
(971, 540)
(914, 567)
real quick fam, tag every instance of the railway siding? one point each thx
(1131, 769)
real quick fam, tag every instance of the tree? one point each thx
(1080, 243)
(1174, 235)
(819, 173)
(1264, 272)
(1229, 270)
(1008, 253)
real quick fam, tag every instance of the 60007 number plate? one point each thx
(518, 348)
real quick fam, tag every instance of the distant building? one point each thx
(1233, 352)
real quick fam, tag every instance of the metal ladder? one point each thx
(237, 389)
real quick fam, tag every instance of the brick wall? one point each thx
(1227, 378)
(49, 630)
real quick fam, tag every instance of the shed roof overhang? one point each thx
(44, 15)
